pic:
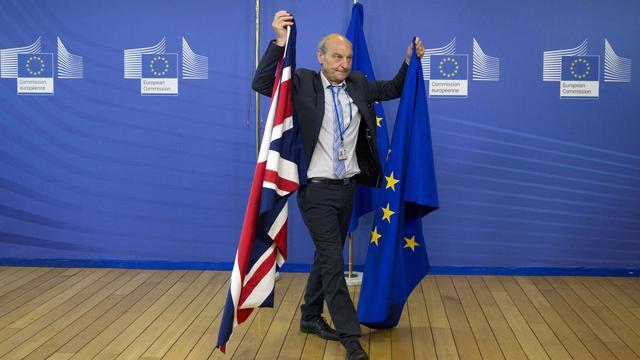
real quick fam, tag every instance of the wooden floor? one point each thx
(52, 313)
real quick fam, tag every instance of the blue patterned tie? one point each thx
(338, 165)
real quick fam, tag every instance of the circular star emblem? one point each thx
(449, 67)
(35, 65)
(580, 68)
(159, 66)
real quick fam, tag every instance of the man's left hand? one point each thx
(419, 50)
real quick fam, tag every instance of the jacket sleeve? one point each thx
(390, 89)
(265, 73)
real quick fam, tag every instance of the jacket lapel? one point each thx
(358, 99)
(319, 115)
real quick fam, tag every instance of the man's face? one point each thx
(336, 61)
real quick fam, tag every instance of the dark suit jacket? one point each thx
(308, 104)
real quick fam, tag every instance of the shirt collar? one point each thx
(326, 83)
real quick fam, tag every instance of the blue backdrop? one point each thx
(99, 172)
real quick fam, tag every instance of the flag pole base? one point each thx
(355, 279)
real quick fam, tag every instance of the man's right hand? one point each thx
(281, 20)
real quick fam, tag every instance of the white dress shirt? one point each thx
(321, 164)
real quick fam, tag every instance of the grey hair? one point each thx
(322, 45)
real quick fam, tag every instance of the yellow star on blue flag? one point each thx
(391, 182)
(411, 243)
(386, 213)
(375, 236)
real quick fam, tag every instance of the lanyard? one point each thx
(334, 96)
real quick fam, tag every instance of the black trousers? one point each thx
(326, 210)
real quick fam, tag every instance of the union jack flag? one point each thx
(263, 241)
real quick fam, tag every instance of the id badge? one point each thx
(342, 153)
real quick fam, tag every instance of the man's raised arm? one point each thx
(264, 77)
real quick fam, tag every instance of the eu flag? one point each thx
(164, 66)
(580, 68)
(396, 257)
(448, 67)
(365, 196)
(35, 65)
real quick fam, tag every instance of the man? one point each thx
(334, 110)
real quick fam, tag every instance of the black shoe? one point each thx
(355, 351)
(319, 327)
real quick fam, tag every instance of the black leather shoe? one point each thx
(319, 327)
(355, 351)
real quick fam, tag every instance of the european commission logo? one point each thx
(579, 73)
(34, 70)
(448, 72)
(580, 76)
(159, 74)
(158, 71)
(35, 74)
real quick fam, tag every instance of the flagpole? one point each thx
(350, 255)
(257, 56)
(353, 278)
